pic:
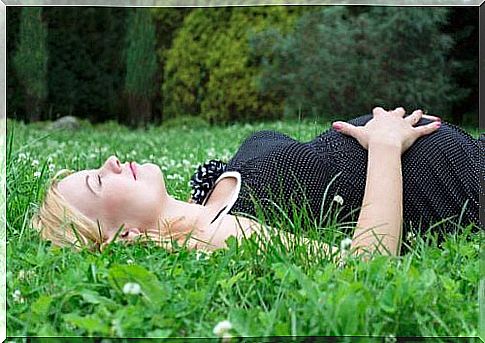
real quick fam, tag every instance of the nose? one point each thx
(112, 164)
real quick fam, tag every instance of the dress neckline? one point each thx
(229, 204)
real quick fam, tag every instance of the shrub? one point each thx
(343, 63)
(209, 70)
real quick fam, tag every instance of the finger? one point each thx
(347, 129)
(427, 129)
(378, 111)
(399, 111)
(414, 117)
(434, 118)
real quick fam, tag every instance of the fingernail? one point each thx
(437, 124)
(337, 126)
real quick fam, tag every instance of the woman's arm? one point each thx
(385, 137)
(242, 227)
(380, 219)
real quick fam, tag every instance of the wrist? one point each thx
(383, 144)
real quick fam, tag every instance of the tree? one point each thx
(15, 99)
(86, 68)
(209, 70)
(30, 60)
(141, 66)
(341, 64)
(463, 27)
(168, 20)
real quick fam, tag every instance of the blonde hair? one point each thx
(57, 221)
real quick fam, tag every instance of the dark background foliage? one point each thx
(337, 63)
(244, 64)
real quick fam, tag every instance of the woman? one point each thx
(126, 201)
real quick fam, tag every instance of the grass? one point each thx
(430, 291)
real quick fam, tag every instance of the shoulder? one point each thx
(230, 226)
(223, 195)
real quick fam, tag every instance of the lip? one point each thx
(133, 169)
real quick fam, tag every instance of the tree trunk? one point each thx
(32, 107)
(140, 110)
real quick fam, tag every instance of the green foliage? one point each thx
(141, 65)
(140, 53)
(167, 20)
(431, 291)
(464, 29)
(15, 98)
(86, 69)
(341, 62)
(30, 59)
(209, 70)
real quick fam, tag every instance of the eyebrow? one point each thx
(89, 187)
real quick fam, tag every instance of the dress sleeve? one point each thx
(204, 179)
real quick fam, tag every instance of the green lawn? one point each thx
(431, 291)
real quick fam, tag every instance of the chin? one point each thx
(150, 168)
(154, 173)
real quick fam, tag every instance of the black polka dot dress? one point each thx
(324, 179)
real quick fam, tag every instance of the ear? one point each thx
(129, 234)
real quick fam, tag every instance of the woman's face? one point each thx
(117, 194)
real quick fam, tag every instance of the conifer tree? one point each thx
(30, 60)
(141, 66)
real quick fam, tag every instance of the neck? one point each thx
(193, 215)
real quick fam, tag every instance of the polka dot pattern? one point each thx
(440, 175)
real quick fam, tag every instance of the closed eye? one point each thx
(89, 187)
(99, 179)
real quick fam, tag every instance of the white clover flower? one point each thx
(344, 251)
(222, 328)
(410, 237)
(17, 296)
(345, 243)
(202, 255)
(131, 288)
(26, 274)
(390, 338)
(35, 163)
(129, 261)
(37, 174)
(22, 156)
(338, 199)
(211, 152)
(52, 166)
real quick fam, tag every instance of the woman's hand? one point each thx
(390, 128)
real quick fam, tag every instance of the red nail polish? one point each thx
(337, 126)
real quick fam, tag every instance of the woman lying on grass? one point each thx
(363, 163)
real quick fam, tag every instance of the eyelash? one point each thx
(99, 179)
